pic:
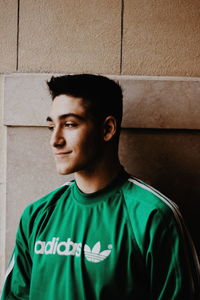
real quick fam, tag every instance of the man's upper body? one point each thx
(126, 241)
(104, 235)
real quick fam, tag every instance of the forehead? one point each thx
(64, 104)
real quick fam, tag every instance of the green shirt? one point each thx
(126, 241)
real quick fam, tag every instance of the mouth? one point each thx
(62, 154)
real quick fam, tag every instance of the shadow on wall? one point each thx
(169, 160)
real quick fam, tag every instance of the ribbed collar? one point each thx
(102, 194)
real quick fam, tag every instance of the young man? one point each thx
(105, 235)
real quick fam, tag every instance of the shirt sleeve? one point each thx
(171, 261)
(18, 275)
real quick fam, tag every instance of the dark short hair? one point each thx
(102, 95)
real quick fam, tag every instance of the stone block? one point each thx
(161, 103)
(1, 99)
(26, 99)
(8, 35)
(161, 38)
(149, 102)
(70, 36)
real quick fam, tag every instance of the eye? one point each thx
(51, 127)
(70, 124)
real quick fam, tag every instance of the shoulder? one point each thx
(42, 205)
(150, 212)
(141, 196)
(49, 199)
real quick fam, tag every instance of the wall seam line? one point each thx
(18, 11)
(122, 28)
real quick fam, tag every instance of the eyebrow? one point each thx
(65, 116)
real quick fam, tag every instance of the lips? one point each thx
(60, 154)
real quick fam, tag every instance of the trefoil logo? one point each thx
(95, 255)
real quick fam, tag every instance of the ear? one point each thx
(110, 127)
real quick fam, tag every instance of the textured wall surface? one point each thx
(8, 35)
(161, 37)
(161, 103)
(70, 36)
(133, 37)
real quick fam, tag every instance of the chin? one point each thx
(64, 171)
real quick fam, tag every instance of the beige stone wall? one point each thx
(135, 37)
(160, 136)
(161, 37)
(8, 35)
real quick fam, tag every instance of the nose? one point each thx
(57, 139)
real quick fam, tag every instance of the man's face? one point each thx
(76, 141)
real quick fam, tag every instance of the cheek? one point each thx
(92, 144)
(86, 141)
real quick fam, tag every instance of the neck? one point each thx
(90, 181)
